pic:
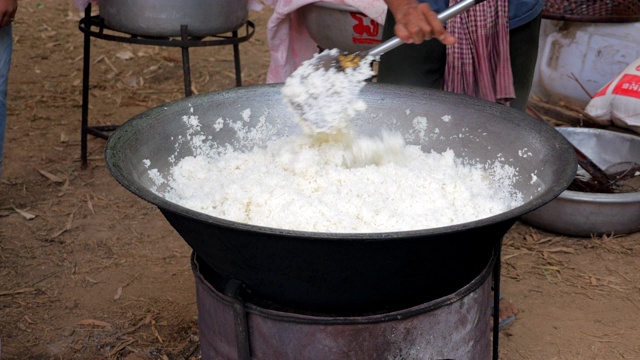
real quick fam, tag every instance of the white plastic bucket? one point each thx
(576, 59)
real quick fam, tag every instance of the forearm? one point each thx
(416, 22)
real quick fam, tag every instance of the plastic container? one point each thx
(576, 59)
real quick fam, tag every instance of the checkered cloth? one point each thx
(479, 63)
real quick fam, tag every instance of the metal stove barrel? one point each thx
(456, 326)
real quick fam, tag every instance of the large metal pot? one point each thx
(340, 26)
(347, 272)
(163, 18)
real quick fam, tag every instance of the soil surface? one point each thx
(90, 271)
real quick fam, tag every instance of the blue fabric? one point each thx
(520, 11)
(6, 43)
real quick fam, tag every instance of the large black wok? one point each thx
(345, 273)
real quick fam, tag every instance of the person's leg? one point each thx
(5, 61)
(409, 64)
(523, 43)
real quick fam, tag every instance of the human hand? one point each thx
(8, 10)
(416, 22)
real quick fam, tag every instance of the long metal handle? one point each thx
(445, 15)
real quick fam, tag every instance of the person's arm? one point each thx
(8, 10)
(416, 22)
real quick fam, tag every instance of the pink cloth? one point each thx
(288, 39)
(479, 64)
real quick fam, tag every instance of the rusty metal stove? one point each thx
(234, 325)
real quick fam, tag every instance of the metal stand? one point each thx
(497, 267)
(243, 342)
(184, 42)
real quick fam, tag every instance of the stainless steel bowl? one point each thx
(585, 214)
(340, 26)
(163, 18)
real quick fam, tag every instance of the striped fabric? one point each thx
(479, 64)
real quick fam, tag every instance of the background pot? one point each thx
(340, 26)
(163, 18)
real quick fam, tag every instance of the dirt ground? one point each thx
(89, 271)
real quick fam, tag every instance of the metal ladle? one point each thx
(311, 108)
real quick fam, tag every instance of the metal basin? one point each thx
(163, 18)
(347, 273)
(585, 214)
(340, 26)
